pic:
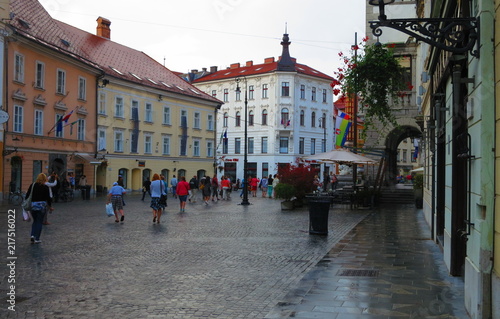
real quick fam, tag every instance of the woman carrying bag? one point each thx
(40, 203)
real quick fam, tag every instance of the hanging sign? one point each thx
(4, 116)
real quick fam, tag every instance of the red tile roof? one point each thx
(236, 71)
(109, 55)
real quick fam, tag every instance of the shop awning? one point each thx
(89, 158)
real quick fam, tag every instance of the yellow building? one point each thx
(149, 119)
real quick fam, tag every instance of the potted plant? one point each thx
(418, 186)
(301, 177)
(287, 192)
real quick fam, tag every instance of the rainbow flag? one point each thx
(342, 125)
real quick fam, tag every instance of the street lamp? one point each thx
(245, 160)
(443, 33)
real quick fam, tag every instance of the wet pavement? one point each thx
(225, 260)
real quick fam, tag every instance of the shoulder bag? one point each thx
(163, 197)
(26, 205)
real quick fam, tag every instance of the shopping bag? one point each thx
(26, 215)
(109, 210)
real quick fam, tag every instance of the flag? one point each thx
(415, 144)
(342, 125)
(59, 125)
(225, 134)
(288, 123)
(67, 116)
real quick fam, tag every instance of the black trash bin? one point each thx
(318, 214)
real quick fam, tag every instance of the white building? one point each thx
(290, 113)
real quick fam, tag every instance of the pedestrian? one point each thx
(157, 189)
(243, 181)
(276, 181)
(254, 183)
(173, 184)
(215, 188)
(334, 180)
(206, 190)
(226, 186)
(71, 180)
(115, 197)
(50, 184)
(264, 184)
(40, 203)
(146, 188)
(182, 191)
(193, 185)
(316, 183)
(270, 186)
(121, 183)
(82, 183)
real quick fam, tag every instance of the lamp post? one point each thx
(245, 151)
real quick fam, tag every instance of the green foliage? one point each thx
(300, 177)
(418, 181)
(284, 191)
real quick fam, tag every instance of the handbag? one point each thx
(163, 197)
(109, 210)
(26, 215)
(26, 205)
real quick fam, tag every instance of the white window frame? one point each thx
(61, 81)
(265, 91)
(119, 107)
(210, 148)
(264, 145)
(197, 120)
(82, 88)
(19, 67)
(196, 148)
(165, 149)
(80, 130)
(134, 104)
(148, 143)
(118, 141)
(102, 103)
(38, 122)
(101, 139)
(167, 115)
(40, 75)
(148, 112)
(284, 149)
(210, 122)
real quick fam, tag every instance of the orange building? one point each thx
(46, 80)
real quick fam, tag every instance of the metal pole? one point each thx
(355, 113)
(245, 160)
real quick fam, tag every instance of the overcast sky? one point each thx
(193, 34)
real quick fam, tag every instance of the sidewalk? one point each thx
(387, 267)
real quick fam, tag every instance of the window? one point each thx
(148, 141)
(196, 148)
(225, 146)
(134, 138)
(59, 128)
(302, 118)
(413, 158)
(38, 122)
(61, 82)
(197, 120)
(210, 148)
(285, 88)
(250, 118)
(226, 95)
(265, 169)
(398, 156)
(302, 91)
(225, 120)
(283, 145)
(250, 145)
(313, 146)
(19, 68)
(313, 94)
(82, 88)
(284, 117)
(264, 117)
(119, 107)
(148, 112)
(81, 130)
(301, 145)
(102, 103)
(101, 142)
(238, 119)
(166, 115)
(118, 141)
(313, 119)
(184, 118)
(237, 95)
(264, 145)
(404, 155)
(237, 145)
(210, 122)
(135, 109)
(250, 92)
(264, 91)
(324, 95)
(165, 149)
(214, 93)
(40, 75)
(323, 121)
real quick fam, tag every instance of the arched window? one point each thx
(250, 118)
(238, 119)
(264, 117)
(285, 117)
(226, 118)
(313, 119)
(302, 118)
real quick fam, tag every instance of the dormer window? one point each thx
(116, 70)
(136, 76)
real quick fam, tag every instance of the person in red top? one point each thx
(226, 185)
(182, 191)
(254, 182)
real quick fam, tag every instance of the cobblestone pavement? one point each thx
(223, 260)
(386, 267)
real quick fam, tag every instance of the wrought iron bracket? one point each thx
(457, 35)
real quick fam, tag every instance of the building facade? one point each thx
(289, 113)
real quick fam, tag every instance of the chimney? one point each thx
(103, 29)
(213, 69)
(249, 63)
(235, 65)
(269, 60)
